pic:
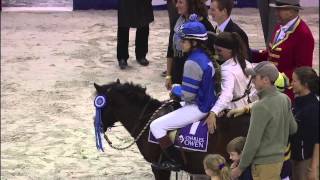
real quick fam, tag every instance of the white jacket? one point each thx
(233, 85)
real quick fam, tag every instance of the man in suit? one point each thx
(220, 10)
(268, 19)
(133, 14)
(292, 42)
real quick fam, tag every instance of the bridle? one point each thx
(141, 116)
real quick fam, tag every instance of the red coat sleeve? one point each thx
(259, 55)
(262, 55)
(304, 49)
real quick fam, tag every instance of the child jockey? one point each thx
(198, 92)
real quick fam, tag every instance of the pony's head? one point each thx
(122, 99)
(107, 116)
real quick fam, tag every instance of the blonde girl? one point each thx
(215, 166)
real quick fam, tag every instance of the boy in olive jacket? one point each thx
(271, 124)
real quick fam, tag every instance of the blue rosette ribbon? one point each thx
(99, 102)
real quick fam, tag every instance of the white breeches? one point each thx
(176, 119)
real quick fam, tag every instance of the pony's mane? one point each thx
(133, 92)
(130, 87)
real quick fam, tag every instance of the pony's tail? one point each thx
(225, 173)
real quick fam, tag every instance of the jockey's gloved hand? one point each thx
(176, 92)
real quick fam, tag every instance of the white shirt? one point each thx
(233, 85)
(222, 26)
(283, 29)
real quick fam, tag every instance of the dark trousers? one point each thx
(177, 69)
(268, 19)
(142, 36)
(173, 13)
(173, 17)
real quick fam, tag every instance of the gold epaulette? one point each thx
(277, 49)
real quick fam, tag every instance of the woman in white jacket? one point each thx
(236, 90)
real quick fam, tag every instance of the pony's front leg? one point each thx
(161, 174)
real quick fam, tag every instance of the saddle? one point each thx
(193, 137)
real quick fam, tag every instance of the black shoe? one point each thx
(143, 61)
(171, 160)
(164, 74)
(122, 63)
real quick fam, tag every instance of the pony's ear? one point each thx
(98, 87)
(118, 81)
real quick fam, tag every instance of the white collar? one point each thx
(289, 24)
(224, 24)
(228, 62)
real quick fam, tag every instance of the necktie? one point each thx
(217, 30)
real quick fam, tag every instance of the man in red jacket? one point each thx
(292, 42)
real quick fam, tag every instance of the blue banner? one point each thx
(157, 4)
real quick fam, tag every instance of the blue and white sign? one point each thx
(191, 137)
(157, 4)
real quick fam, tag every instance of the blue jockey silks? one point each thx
(99, 102)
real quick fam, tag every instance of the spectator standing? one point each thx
(268, 19)
(305, 143)
(133, 14)
(281, 84)
(292, 41)
(220, 11)
(269, 128)
(173, 17)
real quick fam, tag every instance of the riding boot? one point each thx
(171, 158)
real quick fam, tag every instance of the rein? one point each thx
(142, 131)
(246, 93)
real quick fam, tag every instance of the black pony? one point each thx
(129, 104)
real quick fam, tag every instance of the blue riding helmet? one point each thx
(193, 29)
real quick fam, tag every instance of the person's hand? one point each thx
(211, 122)
(237, 112)
(235, 173)
(312, 174)
(220, 114)
(176, 92)
(233, 165)
(168, 83)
